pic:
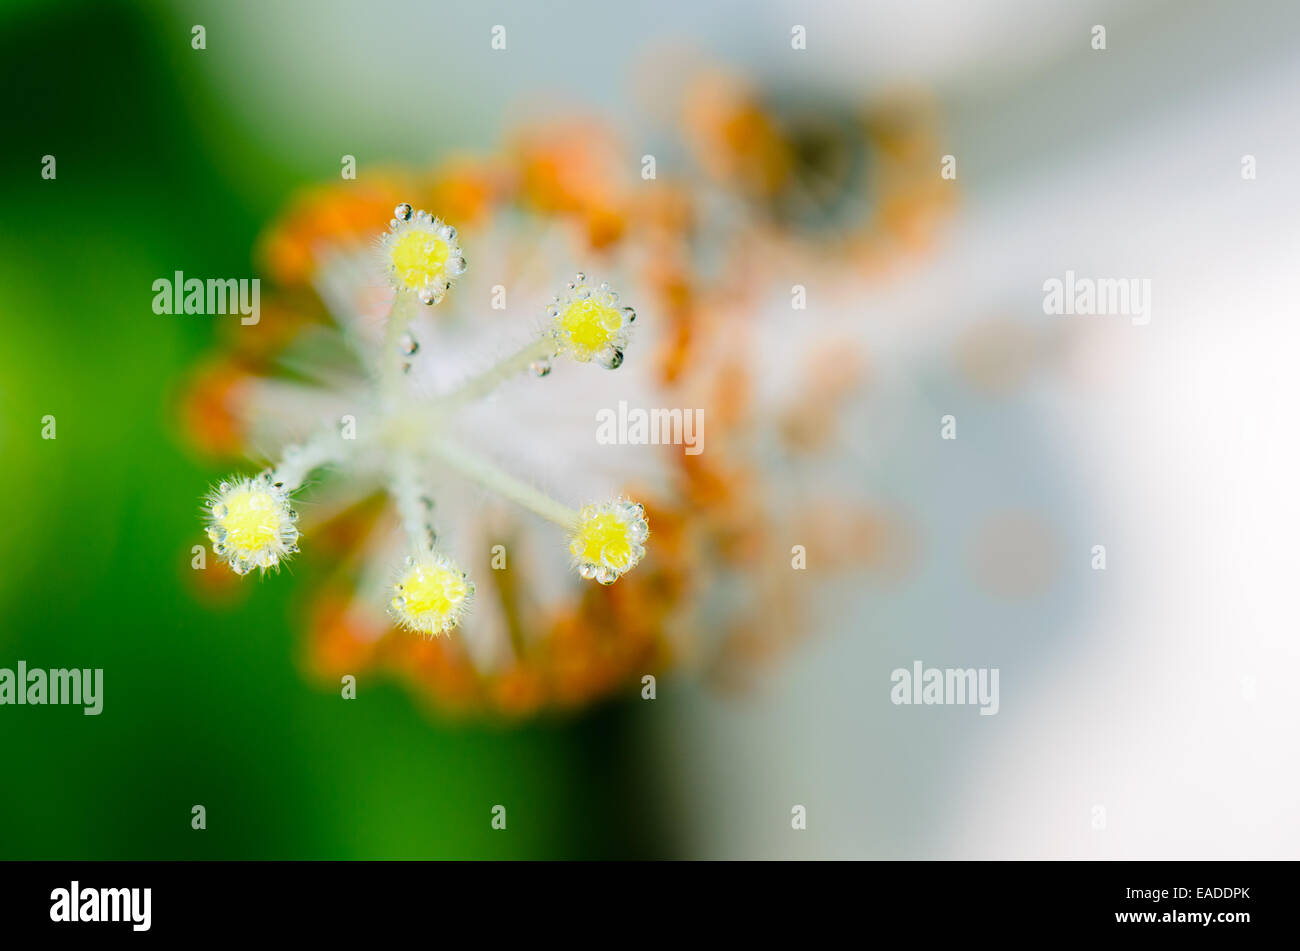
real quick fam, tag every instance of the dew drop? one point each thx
(220, 510)
(580, 276)
(403, 212)
(540, 368)
(408, 344)
(611, 359)
(427, 295)
(629, 314)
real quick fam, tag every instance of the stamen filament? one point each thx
(543, 348)
(413, 507)
(489, 476)
(300, 461)
(392, 358)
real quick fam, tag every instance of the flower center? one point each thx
(419, 259)
(590, 325)
(433, 593)
(252, 520)
(603, 539)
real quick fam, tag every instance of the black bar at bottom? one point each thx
(1219, 901)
